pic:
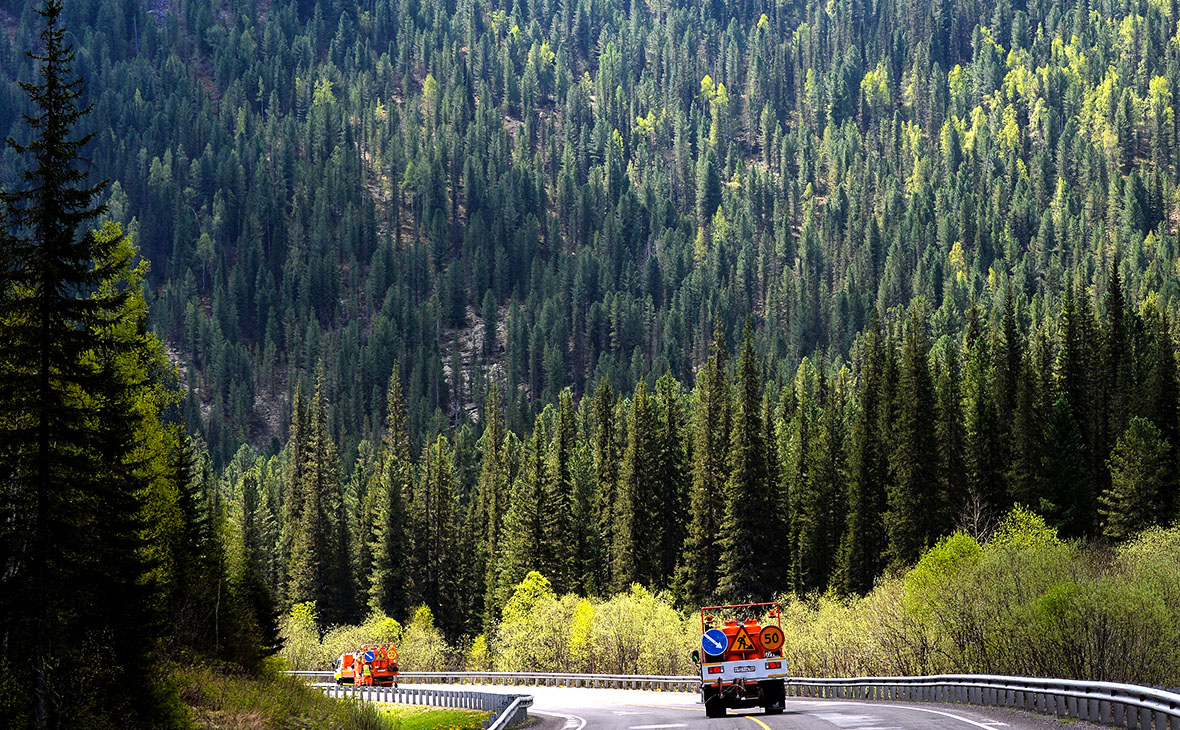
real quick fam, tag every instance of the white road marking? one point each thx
(843, 719)
(952, 716)
(572, 722)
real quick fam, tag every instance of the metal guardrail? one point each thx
(1110, 703)
(504, 709)
(542, 679)
(1124, 705)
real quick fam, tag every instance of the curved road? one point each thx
(589, 709)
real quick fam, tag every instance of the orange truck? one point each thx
(741, 658)
(370, 665)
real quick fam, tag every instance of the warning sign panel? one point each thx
(771, 638)
(742, 642)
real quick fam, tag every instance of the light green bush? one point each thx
(422, 647)
(1024, 603)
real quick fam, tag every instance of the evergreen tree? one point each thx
(1142, 480)
(522, 524)
(388, 539)
(606, 472)
(672, 476)
(710, 469)
(72, 350)
(912, 520)
(863, 545)
(492, 499)
(1063, 471)
(557, 520)
(745, 558)
(636, 555)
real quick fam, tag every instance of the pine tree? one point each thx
(710, 468)
(1142, 478)
(672, 475)
(317, 561)
(291, 488)
(636, 550)
(606, 472)
(386, 581)
(71, 450)
(949, 432)
(492, 500)
(745, 559)
(803, 501)
(915, 502)
(1063, 471)
(558, 517)
(863, 545)
(522, 528)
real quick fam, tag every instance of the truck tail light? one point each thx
(774, 665)
(716, 670)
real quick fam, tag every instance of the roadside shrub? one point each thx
(422, 647)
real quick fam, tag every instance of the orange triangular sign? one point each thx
(741, 642)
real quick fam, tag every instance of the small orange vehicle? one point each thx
(370, 665)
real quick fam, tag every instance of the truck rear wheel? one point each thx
(714, 704)
(774, 696)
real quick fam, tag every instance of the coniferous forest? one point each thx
(722, 298)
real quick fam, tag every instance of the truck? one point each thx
(741, 659)
(370, 665)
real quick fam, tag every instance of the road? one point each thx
(590, 709)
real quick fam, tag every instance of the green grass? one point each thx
(219, 701)
(412, 717)
(269, 702)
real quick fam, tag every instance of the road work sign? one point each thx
(742, 642)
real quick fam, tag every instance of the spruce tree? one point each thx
(863, 546)
(670, 490)
(1142, 480)
(70, 443)
(607, 456)
(523, 529)
(710, 469)
(492, 498)
(949, 432)
(636, 549)
(1063, 471)
(558, 516)
(912, 520)
(745, 559)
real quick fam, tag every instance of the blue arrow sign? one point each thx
(714, 642)
(369, 655)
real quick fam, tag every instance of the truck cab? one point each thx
(741, 658)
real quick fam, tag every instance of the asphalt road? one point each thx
(590, 709)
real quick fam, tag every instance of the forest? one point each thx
(723, 299)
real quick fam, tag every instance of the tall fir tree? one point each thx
(915, 502)
(523, 527)
(745, 561)
(607, 458)
(863, 545)
(492, 498)
(710, 468)
(557, 520)
(1142, 482)
(71, 440)
(636, 549)
(386, 582)
(670, 490)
